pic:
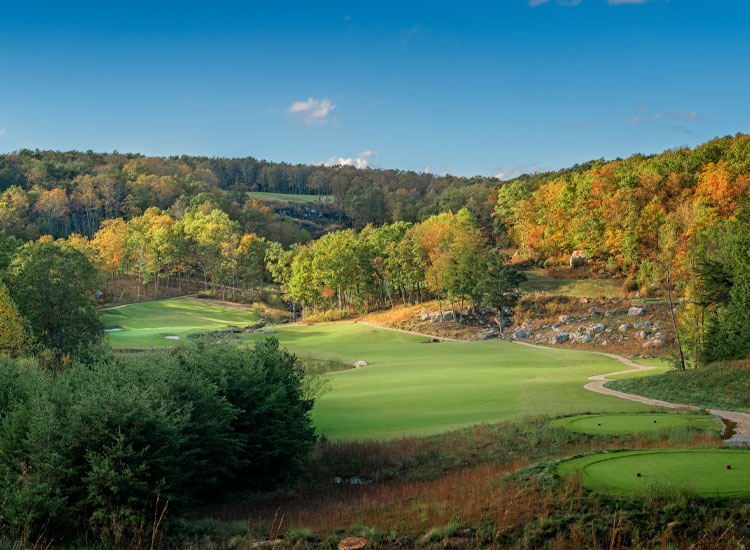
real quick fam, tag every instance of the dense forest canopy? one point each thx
(160, 217)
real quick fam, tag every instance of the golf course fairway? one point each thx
(627, 424)
(413, 387)
(701, 472)
(168, 322)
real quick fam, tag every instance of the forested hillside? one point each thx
(668, 222)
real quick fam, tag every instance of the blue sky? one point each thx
(493, 88)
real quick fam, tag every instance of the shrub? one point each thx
(93, 448)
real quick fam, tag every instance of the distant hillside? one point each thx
(602, 207)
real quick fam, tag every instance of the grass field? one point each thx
(147, 325)
(700, 472)
(415, 388)
(539, 281)
(628, 424)
(289, 197)
(718, 386)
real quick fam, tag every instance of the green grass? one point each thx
(718, 386)
(629, 424)
(289, 197)
(414, 388)
(147, 324)
(700, 472)
(538, 281)
(662, 366)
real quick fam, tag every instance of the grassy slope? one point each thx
(719, 386)
(289, 197)
(416, 388)
(538, 281)
(147, 324)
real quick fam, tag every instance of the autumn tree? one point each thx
(13, 327)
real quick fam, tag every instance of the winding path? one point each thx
(596, 384)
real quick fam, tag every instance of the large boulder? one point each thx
(520, 335)
(584, 339)
(635, 311)
(560, 338)
(577, 259)
(597, 328)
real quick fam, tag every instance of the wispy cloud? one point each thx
(313, 111)
(681, 128)
(2, 131)
(567, 3)
(510, 172)
(571, 3)
(363, 160)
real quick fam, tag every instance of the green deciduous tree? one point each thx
(53, 286)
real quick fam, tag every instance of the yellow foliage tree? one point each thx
(13, 336)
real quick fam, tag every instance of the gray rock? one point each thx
(584, 339)
(636, 311)
(426, 317)
(577, 260)
(605, 342)
(520, 335)
(644, 334)
(597, 328)
(566, 319)
(623, 327)
(643, 324)
(560, 338)
(593, 310)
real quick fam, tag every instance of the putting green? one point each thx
(411, 387)
(701, 472)
(168, 322)
(626, 424)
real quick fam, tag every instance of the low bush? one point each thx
(92, 450)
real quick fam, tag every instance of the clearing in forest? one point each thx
(169, 322)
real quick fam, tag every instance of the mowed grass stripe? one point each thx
(411, 387)
(146, 325)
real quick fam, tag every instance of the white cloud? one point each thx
(510, 172)
(2, 132)
(360, 161)
(427, 169)
(314, 111)
(685, 116)
(570, 3)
